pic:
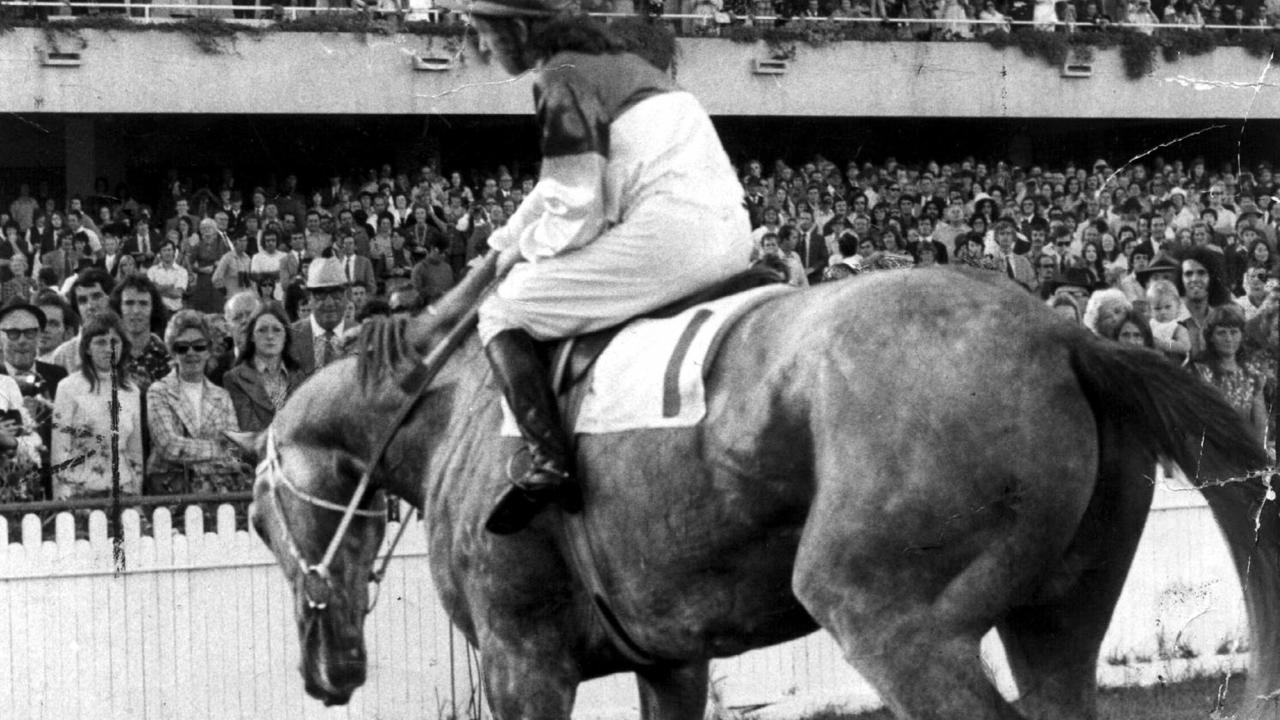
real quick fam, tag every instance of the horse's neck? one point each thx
(443, 425)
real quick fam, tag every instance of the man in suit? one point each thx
(258, 208)
(811, 245)
(20, 327)
(1017, 267)
(143, 244)
(111, 251)
(357, 269)
(291, 265)
(317, 341)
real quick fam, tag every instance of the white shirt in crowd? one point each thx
(174, 276)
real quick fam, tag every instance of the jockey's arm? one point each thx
(564, 211)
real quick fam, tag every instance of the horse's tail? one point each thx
(1176, 415)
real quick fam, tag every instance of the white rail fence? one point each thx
(200, 625)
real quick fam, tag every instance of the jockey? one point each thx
(637, 206)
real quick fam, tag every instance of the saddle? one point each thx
(571, 359)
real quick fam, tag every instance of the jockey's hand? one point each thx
(509, 259)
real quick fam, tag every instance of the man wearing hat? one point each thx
(1075, 283)
(317, 340)
(1161, 267)
(20, 327)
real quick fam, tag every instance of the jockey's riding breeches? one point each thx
(666, 249)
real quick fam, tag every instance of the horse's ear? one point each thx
(247, 441)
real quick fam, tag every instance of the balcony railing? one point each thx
(260, 13)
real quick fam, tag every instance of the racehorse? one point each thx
(905, 460)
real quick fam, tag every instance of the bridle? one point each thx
(317, 579)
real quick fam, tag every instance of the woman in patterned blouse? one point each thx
(1223, 364)
(188, 416)
(265, 374)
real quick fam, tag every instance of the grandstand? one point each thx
(83, 103)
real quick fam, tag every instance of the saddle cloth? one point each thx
(652, 372)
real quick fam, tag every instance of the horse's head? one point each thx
(300, 494)
(312, 462)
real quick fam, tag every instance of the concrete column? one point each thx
(81, 156)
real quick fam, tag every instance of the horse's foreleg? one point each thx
(673, 692)
(524, 686)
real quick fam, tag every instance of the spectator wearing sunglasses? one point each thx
(188, 415)
(34, 382)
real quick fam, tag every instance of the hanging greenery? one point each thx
(216, 36)
(1137, 50)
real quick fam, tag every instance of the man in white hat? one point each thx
(317, 340)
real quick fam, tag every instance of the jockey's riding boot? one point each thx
(527, 389)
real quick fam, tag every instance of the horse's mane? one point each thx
(389, 346)
(383, 350)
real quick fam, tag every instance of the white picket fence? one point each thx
(200, 625)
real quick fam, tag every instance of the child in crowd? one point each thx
(1170, 336)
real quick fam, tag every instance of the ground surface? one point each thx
(1186, 700)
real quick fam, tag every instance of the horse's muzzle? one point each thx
(332, 670)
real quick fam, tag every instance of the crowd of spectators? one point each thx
(165, 324)
(1173, 254)
(942, 19)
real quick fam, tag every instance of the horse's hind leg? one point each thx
(909, 566)
(676, 692)
(925, 664)
(1052, 643)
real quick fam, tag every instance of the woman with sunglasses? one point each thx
(188, 415)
